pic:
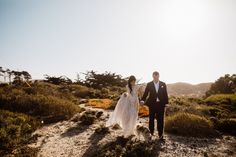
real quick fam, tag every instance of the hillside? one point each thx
(186, 89)
(45, 119)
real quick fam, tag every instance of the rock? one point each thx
(194, 145)
(99, 114)
(75, 118)
(229, 152)
(184, 151)
(227, 138)
(82, 109)
(102, 130)
(116, 127)
(83, 101)
(205, 154)
(87, 119)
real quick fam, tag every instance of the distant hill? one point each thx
(186, 89)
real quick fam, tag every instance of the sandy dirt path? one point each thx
(71, 139)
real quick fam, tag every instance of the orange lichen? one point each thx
(100, 103)
(143, 111)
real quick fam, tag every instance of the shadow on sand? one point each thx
(121, 146)
(93, 149)
(73, 131)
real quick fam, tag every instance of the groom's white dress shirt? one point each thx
(156, 84)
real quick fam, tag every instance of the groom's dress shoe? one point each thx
(161, 138)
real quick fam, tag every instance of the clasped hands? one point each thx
(141, 102)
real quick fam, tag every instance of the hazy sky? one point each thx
(185, 40)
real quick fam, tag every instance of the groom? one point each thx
(156, 101)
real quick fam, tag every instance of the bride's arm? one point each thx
(140, 91)
(125, 94)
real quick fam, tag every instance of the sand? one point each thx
(70, 138)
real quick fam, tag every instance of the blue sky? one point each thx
(186, 41)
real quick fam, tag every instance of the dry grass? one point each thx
(100, 103)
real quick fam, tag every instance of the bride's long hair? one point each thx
(131, 79)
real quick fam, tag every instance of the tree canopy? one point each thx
(224, 85)
(57, 80)
(99, 80)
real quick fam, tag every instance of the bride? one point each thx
(126, 111)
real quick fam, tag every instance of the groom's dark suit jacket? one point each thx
(152, 95)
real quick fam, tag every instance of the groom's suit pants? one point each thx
(156, 111)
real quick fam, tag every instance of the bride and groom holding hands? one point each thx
(126, 112)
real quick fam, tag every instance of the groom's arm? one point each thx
(166, 95)
(146, 92)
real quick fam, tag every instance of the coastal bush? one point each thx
(218, 99)
(182, 101)
(88, 117)
(48, 108)
(226, 125)
(16, 128)
(187, 124)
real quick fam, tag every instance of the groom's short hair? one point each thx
(155, 73)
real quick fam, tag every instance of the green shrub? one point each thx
(182, 101)
(80, 91)
(26, 151)
(27, 106)
(172, 109)
(197, 100)
(15, 129)
(189, 125)
(196, 110)
(208, 111)
(229, 99)
(59, 91)
(37, 105)
(226, 126)
(41, 88)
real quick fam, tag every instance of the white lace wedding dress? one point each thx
(126, 112)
